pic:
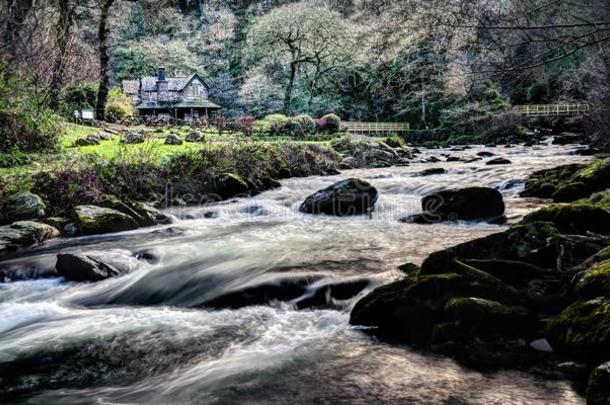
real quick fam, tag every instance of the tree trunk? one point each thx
(102, 93)
(62, 37)
(18, 11)
(289, 89)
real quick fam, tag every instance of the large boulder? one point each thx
(544, 183)
(94, 220)
(23, 234)
(474, 203)
(578, 219)
(95, 266)
(345, 198)
(23, 206)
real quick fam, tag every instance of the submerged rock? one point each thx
(24, 234)
(93, 220)
(498, 161)
(23, 206)
(345, 198)
(433, 171)
(94, 266)
(467, 204)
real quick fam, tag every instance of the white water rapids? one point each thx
(148, 337)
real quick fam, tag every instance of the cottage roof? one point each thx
(149, 83)
(157, 105)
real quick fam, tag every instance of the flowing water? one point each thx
(151, 337)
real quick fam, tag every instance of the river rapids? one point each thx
(170, 332)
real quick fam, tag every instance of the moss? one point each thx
(487, 317)
(543, 184)
(595, 282)
(583, 329)
(598, 386)
(571, 191)
(574, 218)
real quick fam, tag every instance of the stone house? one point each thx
(181, 97)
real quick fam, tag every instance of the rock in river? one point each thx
(24, 234)
(345, 198)
(95, 266)
(474, 203)
(93, 220)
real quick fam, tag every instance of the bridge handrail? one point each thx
(376, 126)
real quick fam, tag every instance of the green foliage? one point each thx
(394, 141)
(79, 97)
(131, 63)
(333, 122)
(119, 107)
(25, 124)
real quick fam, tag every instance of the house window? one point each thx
(196, 90)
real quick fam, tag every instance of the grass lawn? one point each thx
(154, 149)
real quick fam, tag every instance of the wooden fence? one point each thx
(376, 128)
(556, 110)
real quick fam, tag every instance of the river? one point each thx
(150, 337)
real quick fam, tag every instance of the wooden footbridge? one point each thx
(528, 110)
(553, 110)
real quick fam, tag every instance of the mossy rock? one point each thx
(231, 185)
(23, 234)
(595, 282)
(536, 243)
(571, 191)
(23, 206)
(577, 219)
(409, 310)
(489, 318)
(583, 329)
(93, 220)
(515, 273)
(544, 183)
(598, 386)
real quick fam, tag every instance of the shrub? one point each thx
(275, 124)
(25, 124)
(394, 141)
(300, 126)
(245, 125)
(333, 122)
(119, 107)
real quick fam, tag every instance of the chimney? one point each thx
(161, 75)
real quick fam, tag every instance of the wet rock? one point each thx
(578, 219)
(92, 266)
(195, 136)
(173, 139)
(598, 386)
(24, 234)
(544, 183)
(475, 203)
(498, 161)
(571, 191)
(345, 198)
(133, 137)
(231, 185)
(595, 282)
(143, 214)
(23, 206)
(93, 220)
(541, 345)
(582, 330)
(150, 255)
(568, 138)
(586, 152)
(433, 171)
(485, 318)
(486, 154)
(254, 210)
(454, 159)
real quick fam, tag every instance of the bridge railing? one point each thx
(544, 110)
(376, 127)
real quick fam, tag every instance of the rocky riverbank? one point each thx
(533, 297)
(111, 197)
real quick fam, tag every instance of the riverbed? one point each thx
(150, 337)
